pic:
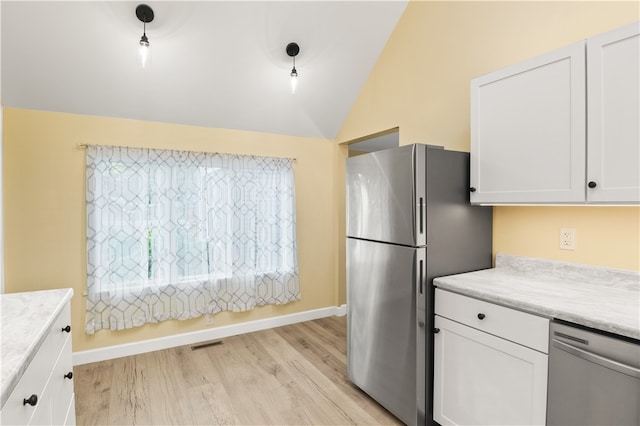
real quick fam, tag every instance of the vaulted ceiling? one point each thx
(213, 63)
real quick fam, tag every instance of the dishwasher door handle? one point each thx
(597, 359)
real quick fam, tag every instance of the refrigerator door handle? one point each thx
(421, 278)
(421, 215)
(420, 195)
(420, 275)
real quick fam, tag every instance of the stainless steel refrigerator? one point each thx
(408, 221)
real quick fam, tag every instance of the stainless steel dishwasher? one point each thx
(594, 378)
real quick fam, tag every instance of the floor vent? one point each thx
(206, 345)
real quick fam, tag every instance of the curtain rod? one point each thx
(85, 145)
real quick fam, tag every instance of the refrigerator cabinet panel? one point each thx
(385, 201)
(459, 235)
(381, 323)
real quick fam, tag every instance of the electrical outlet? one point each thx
(567, 239)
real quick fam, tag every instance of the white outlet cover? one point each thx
(567, 239)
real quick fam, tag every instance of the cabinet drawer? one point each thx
(70, 420)
(61, 386)
(33, 382)
(59, 336)
(42, 414)
(516, 326)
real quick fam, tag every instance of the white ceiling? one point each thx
(213, 63)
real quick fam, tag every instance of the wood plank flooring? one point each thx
(291, 375)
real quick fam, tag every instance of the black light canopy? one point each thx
(144, 13)
(293, 49)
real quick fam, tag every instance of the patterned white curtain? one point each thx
(176, 235)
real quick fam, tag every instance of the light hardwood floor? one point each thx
(291, 375)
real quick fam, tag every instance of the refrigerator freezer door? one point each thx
(381, 323)
(385, 201)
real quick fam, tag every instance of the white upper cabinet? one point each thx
(528, 130)
(613, 130)
(543, 129)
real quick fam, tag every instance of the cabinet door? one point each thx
(481, 379)
(528, 131)
(613, 129)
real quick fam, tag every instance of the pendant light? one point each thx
(292, 50)
(144, 14)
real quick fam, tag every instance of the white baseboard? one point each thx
(117, 351)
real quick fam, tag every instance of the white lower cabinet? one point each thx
(481, 378)
(44, 395)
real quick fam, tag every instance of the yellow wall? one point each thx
(421, 84)
(44, 203)
(605, 236)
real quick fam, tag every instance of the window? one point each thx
(176, 235)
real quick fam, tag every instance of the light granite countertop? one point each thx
(25, 321)
(600, 298)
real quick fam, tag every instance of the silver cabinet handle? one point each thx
(597, 359)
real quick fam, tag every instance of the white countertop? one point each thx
(601, 298)
(25, 321)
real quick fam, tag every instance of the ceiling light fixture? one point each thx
(144, 14)
(292, 50)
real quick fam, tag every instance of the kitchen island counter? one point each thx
(601, 298)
